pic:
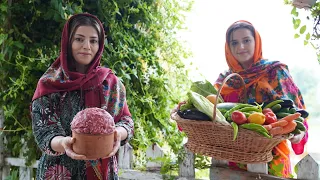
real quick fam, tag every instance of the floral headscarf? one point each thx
(265, 81)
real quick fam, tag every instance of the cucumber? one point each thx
(300, 126)
(292, 111)
(276, 108)
(282, 114)
(226, 105)
(285, 110)
(296, 131)
(300, 119)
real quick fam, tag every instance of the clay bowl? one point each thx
(93, 146)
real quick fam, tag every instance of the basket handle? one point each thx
(220, 88)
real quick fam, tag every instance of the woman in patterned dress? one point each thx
(76, 81)
(265, 81)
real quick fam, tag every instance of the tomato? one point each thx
(264, 111)
(270, 118)
(238, 117)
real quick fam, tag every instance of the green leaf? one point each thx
(306, 42)
(294, 12)
(293, 21)
(296, 36)
(278, 168)
(18, 44)
(303, 29)
(297, 23)
(3, 7)
(296, 169)
(3, 37)
(308, 36)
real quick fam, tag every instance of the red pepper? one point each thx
(270, 118)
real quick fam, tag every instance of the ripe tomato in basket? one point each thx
(238, 117)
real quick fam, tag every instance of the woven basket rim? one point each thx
(177, 118)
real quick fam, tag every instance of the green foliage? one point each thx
(141, 47)
(13, 175)
(301, 28)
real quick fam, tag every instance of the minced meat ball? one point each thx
(93, 121)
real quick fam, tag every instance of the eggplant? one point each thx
(287, 103)
(303, 113)
(193, 115)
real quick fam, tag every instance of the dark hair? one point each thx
(239, 25)
(83, 20)
(75, 22)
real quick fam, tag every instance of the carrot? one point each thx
(268, 127)
(291, 117)
(289, 128)
(276, 130)
(279, 123)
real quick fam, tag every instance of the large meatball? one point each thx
(93, 121)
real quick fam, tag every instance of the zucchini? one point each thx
(204, 105)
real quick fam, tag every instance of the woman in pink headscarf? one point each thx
(76, 81)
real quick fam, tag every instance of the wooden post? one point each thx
(1, 143)
(187, 165)
(213, 174)
(4, 170)
(25, 173)
(308, 167)
(125, 157)
(152, 153)
(258, 168)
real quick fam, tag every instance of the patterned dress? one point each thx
(267, 81)
(52, 115)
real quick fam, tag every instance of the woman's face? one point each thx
(242, 46)
(85, 45)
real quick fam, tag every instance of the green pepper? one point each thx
(235, 130)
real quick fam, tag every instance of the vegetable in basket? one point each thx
(204, 88)
(193, 114)
(205, 106)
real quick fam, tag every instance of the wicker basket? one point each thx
(211, 138)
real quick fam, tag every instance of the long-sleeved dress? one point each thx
(52, 115)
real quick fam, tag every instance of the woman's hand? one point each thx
(64, 144)
(116, 144)
(296, 139)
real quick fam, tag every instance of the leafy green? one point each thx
(204, 88)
